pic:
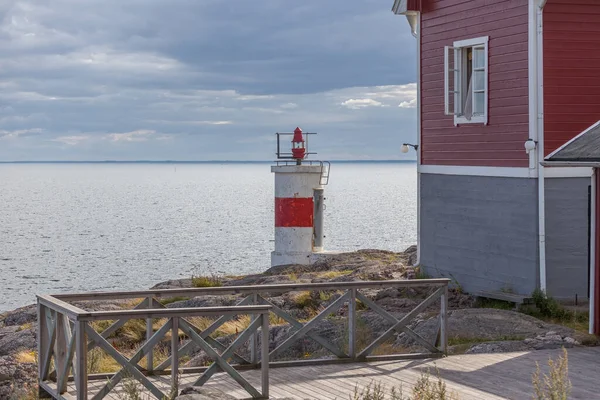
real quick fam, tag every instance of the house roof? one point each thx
(582, 149)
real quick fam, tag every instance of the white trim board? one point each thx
(567, 172)
(477, 171)
(509, 172)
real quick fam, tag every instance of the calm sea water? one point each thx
(84, 227)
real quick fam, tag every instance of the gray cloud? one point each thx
(183, 79)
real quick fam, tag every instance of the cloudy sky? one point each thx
(203, 79)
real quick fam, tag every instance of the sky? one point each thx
(203, 79)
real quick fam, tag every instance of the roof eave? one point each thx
(574, 163)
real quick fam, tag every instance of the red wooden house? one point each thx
(501, 85)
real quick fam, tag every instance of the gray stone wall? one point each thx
(480, 231)
(567, 237)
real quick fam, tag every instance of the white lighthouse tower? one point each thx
(298, 204)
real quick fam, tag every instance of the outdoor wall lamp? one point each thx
(405, 146)
(530, 145)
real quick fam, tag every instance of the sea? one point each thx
(80, 227)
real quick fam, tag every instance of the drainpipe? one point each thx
(418, 36)
(593, 254)
(540, 130)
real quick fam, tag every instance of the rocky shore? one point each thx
(470, 329)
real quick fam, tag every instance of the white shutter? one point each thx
(451, 81)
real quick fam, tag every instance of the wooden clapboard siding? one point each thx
(500, 143)
(571, 69)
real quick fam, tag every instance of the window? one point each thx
(466, 81)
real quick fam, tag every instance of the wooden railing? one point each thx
(68, 333)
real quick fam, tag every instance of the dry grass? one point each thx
(159, 355)
(333, 274)
(99, 362)
(131, 304)
(424, 389)
(304, 300)
(101, 326)
(29, 391)
(556, 385)
(200, 281)
(26, 326)
(234, 326)
(26, 357)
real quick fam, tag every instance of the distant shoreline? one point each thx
(203, 162)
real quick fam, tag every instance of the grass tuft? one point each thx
(99, 362)
(424, 389)
(26, 357)
(550, 310)
(556, 385)
(333, 274)
(207, 281)
(304, 299)
(25, 326)
(421, 274)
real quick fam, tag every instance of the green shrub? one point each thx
(549, 307)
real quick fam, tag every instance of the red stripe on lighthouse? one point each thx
(294, 212)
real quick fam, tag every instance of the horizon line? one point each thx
(189, 161)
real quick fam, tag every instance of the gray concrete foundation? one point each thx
(482, 232)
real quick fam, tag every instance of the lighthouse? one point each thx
(299, 202)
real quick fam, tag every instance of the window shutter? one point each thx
(451, 75)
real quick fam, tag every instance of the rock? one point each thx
(20, 316)
(508, 330)
(12, 342)
(498, 347)
(202, 393)
(174, 284)
(20, 378)
(571, 341)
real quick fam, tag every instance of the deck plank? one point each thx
(494, 376)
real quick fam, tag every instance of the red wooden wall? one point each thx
(500, 143)
(571, 69)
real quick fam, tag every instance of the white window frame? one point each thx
(453, 105)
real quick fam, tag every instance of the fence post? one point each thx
(352, 324)
(149, 333)
(175, 356)
(254, 337)
(444, 320)
(81, 364)
(42, 346)
(264, 358)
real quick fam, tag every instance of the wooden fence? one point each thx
(67, 333)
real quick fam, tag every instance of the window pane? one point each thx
(479, 81)
(478, 103)
(478, 57)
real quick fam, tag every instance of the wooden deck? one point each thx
(472, 377)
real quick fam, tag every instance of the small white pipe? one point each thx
(418, 36)
(540, 137)
(542, 4)
(593, 254)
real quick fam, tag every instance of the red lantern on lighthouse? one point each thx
(298, 149)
